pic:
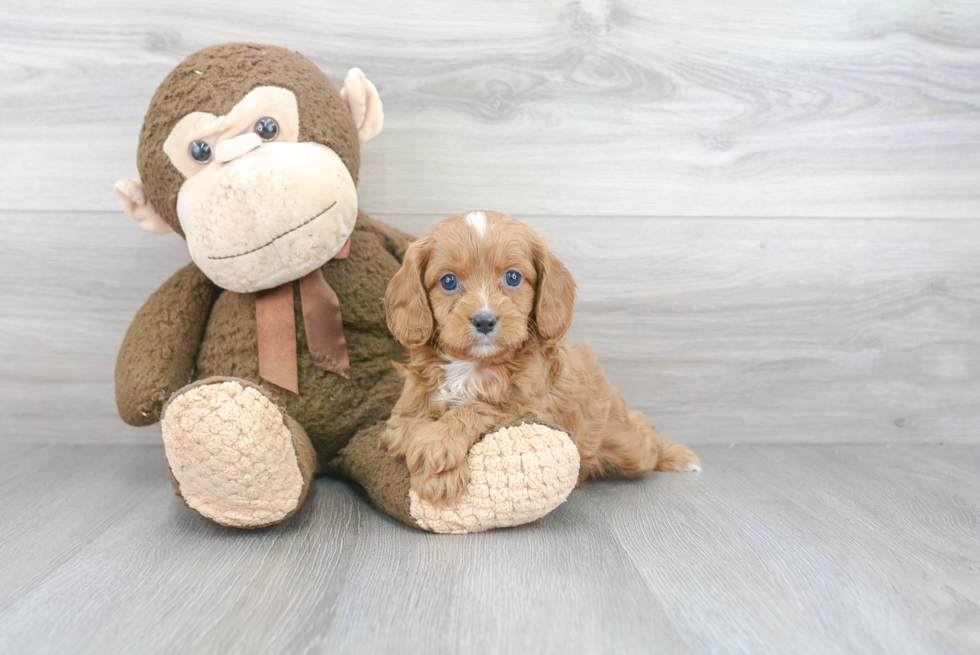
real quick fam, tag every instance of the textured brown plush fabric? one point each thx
(191, 330)
(384, 477)
(331, 409)
(213, 80)
(305, 456)
(157, 355)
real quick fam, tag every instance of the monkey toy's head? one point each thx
(251, 153)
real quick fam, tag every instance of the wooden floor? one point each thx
(772, 549)
(772, 210)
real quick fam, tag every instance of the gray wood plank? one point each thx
(698, 108)
(57, 500)
(856, 540)
(722, 331)
(803, 549)
(72, 282)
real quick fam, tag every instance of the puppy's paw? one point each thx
(437, 462)
(434, 450)
(443, 488)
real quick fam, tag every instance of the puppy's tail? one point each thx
(671, 457)
(675, 457)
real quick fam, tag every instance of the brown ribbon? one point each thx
(276, 323)
(277, 336)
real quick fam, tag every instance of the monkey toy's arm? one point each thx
(157, 356)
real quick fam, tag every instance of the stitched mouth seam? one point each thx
(274, 239)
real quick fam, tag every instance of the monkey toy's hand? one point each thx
(157, 355)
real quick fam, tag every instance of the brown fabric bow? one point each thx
(324, 324)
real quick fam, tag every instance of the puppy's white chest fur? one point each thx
(462, 382)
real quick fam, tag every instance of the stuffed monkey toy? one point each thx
(267, 360)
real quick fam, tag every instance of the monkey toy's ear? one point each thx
(135, 204)
(365, 105)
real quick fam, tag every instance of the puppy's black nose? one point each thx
(484, 323)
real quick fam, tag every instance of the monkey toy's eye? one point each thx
(201, 151)
(267, 128)
(512, 278)
(449, 282)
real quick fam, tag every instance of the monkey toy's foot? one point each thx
(517, 475)
(234, 456)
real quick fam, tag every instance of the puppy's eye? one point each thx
(512, 278)
(449, 282)
(201, 151)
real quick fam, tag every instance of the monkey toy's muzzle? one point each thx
(267, 215)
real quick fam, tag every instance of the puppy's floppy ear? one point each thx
(555, 299)
(407, 302)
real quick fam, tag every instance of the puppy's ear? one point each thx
(555, 299)
(406, 301)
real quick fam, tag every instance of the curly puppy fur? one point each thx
(462, 379)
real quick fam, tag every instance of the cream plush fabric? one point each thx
(232, 453)
(517, 475)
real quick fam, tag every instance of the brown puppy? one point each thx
(483, 307)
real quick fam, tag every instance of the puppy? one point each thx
(483, 306)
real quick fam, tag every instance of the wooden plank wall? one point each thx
(772, 208)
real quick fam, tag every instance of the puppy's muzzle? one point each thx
(484, 322)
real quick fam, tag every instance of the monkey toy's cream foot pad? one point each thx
(232, 455)
(517, 475)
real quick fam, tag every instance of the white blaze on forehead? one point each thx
(478, 221)
(485, 297)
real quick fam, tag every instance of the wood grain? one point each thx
(695, 108)
(802, 549)
(773, 214)
(57, 500)
(749, 331)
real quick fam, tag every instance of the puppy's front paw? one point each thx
(442, 488)
(434, 450)
(437, 462)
